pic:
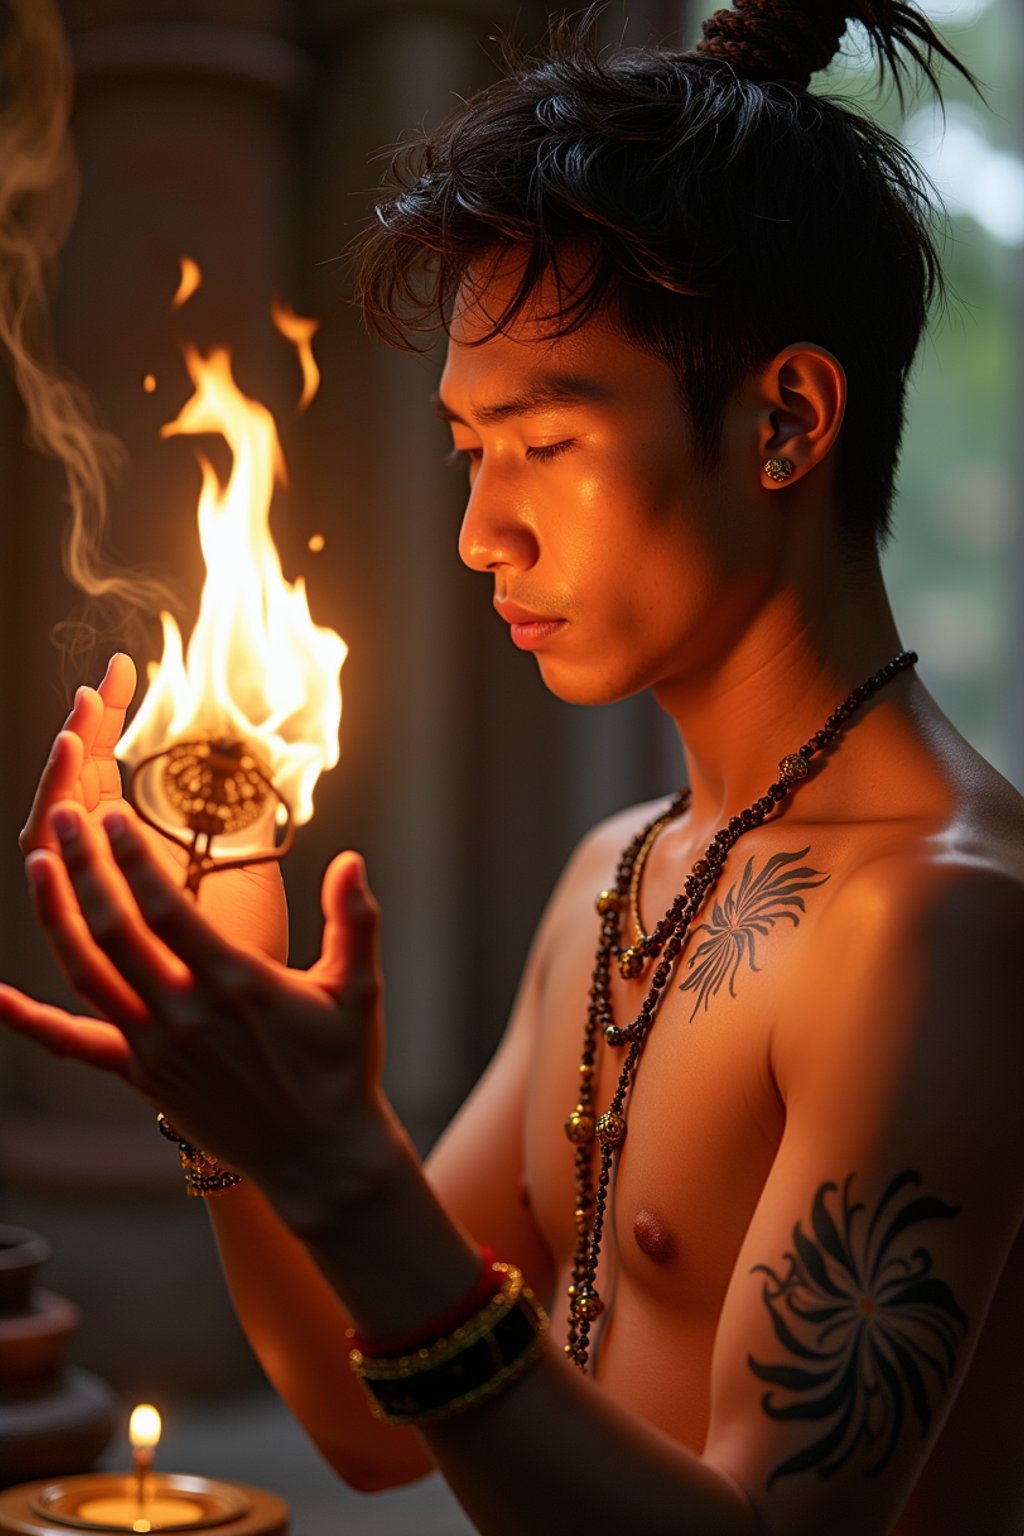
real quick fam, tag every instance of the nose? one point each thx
(495, 531)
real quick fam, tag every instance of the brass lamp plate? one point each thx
(64, 1501)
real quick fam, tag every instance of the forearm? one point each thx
(394, 1257)
(555, 1453)
(296, 1326)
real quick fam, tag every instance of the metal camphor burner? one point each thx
(233, 733)
(217, 788)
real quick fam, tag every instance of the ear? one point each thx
(803, 390)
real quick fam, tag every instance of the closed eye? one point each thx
(545, 451)
(541, 453)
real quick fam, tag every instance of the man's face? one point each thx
(618, 563)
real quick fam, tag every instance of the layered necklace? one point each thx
(663, 944)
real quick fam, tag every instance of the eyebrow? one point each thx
(555, 389)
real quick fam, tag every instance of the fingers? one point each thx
(111, 938)
(168, 912)
(81, 765)
(115, 692)
(65, 1034)
(57, 781)
(113, 696)
(84, 966)
(348, 957)
(118, 686)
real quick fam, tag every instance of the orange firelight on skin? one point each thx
(149, 383)
(257, 670)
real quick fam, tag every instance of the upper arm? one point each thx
(477, 1167)
(866, 1272)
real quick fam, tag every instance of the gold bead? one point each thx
(586, 1074)
(631, 963)
(793, 768)
(611, 1129)
(580, 1126)
(587, 1305)
(608, 901)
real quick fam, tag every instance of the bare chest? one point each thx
(704, 1116)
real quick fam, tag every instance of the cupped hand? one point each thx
(258, 1064)
(246, 904)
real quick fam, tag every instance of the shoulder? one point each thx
(916, 960)
(597, 854)
(943, 900)
(593, 862)
(591, 868)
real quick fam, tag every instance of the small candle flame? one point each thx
(144, 1427)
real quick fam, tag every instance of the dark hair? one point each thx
(726, 212)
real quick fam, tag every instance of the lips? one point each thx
(512, 613)
(530, 631)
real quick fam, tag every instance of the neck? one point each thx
(806, 649)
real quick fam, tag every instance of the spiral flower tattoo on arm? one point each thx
(867, 1330)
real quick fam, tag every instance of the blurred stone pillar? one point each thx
(183, 131)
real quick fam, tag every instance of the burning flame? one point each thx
(144, 1427)
(257, 669)
(298, 329)
(189, 281)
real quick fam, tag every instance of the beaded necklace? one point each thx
(664, 944)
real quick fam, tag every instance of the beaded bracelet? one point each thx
(203, 1174)
(478, 1359)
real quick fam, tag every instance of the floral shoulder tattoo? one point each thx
(750, 911)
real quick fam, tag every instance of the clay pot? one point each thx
(22, 1255)
(53, 1417)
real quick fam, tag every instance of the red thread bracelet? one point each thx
(488, 1285)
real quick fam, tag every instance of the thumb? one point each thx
(351, 923)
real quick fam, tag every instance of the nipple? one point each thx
(654, 1237)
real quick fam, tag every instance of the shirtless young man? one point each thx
(810, 1264)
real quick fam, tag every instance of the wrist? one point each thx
(321, 1195)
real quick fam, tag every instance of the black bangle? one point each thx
(470, 1365)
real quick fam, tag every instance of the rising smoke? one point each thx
(38, 198)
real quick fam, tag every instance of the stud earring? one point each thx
(778, 469)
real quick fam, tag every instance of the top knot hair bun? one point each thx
(776, 39)
(791, 40)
